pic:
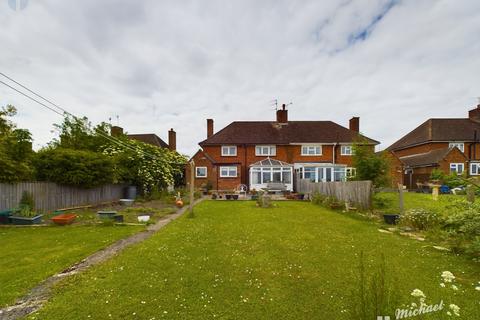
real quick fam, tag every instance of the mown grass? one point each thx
(30, 255)
(237, 261)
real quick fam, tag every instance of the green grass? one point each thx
(414, 200)
(30, 255)
(237, 261)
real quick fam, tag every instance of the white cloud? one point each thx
(163, 64)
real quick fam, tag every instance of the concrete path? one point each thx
(35, 299)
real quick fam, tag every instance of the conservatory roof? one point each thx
(271, 163)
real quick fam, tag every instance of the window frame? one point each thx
(270, 148)
(229, 169)
(319, 146)
(457, 144)
(196, 172)
(477, 165)
(228, 147)
(456, 165)
(342, 153)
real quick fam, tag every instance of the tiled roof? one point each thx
(267, 132)
(149, 138)
(426, 159)
(268, 162)
(439, 130)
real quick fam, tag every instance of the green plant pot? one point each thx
(26, 221)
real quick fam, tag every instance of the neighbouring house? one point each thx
(256, 153)
(150, 138)
(451, 145)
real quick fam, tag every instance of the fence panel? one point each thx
(358, 193)
(50, 196)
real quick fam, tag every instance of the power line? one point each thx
(65, 112)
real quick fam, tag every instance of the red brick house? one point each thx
(150, 138)
(255, 153)
(451, 145)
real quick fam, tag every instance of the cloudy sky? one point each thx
(163, 64)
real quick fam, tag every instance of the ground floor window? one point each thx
(201, 172)
(324, 173)
(456, 168)
(228, 172)
(475, 169)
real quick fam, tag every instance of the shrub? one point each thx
(380, 202)
(27, 200)
(464, 219)
(420, 219)
(264, 201)
(74, 167)
(318, 198)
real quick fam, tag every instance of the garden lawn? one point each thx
(237, 261)
(414, 200)
(32, 254)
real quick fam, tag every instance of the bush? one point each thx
(27, 200)
(420, 219)
(318, 198)
(74, 167)
(464, 219)
(264, 201)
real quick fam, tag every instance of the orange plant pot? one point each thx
(179, 203)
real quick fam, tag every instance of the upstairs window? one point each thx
(201, 172)
(311, 150)
(459, 145)
(346, 150)
(229, 151)
(265, 150)
(228, 172)
(456, 168)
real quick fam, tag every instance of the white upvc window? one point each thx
(475, 169)
(265, 150)
(346, 150)
(312, 150)
(458, 168)
(229, 151)
(228, 172)
(350, 172)
(459, 145)
(200, 172)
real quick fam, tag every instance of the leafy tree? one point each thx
(15, 149)
(80, 168)
(369, 165)
(78, 134)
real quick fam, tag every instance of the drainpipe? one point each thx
(246, 174)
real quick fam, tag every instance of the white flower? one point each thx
(418, 293)
(447, 276)
(454, 287)
(455, 309)
(477, 288)
(442, 285)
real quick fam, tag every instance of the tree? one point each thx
(369, 165)
(78, 134)
(15, 149)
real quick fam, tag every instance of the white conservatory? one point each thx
(271, 171)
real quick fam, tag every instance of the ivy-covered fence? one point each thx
(50, 196)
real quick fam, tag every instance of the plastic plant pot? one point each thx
(26, 221)
(64, 219)
(391, 218)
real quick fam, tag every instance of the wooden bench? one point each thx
(276, 187)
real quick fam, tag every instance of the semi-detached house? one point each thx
(255, 153)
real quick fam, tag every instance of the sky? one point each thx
(172, 64)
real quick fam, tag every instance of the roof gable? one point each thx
(149, 138)
(429, 158)
(267, 132)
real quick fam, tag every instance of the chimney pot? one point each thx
(172, 140)
(209, 128)
(116, 131)
(355, 124)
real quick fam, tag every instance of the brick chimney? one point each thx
(172, 140)
(355, 124)
(282, 115)
(116, 131)
(474, 114)
(209, 128)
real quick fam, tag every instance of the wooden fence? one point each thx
(358, 193)
(50, 196)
